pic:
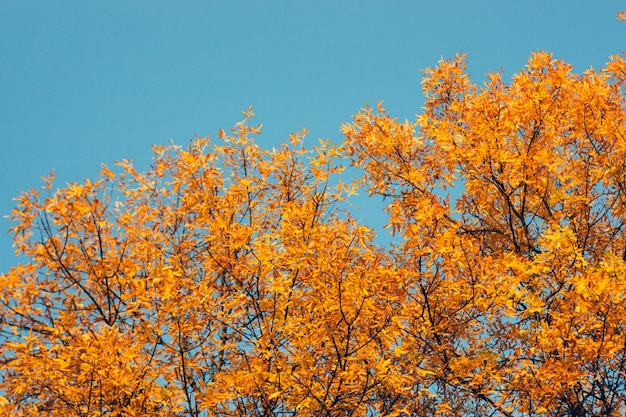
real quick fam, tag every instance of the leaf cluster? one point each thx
(230, 280)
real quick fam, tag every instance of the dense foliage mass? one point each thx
(229, 280)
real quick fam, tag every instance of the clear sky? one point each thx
(87, 82)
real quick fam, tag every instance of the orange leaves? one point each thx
(511, 266)
(232, 280)
(386, 149)
(155, 293)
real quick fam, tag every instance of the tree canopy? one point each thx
(232, 280)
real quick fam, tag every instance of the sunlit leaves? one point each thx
(508, 300)
(232, 280)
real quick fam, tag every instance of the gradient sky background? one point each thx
(82, 83)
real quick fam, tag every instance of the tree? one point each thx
(229, 280)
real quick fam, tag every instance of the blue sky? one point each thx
(85, 83)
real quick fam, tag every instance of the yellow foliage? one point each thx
(230, 280)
